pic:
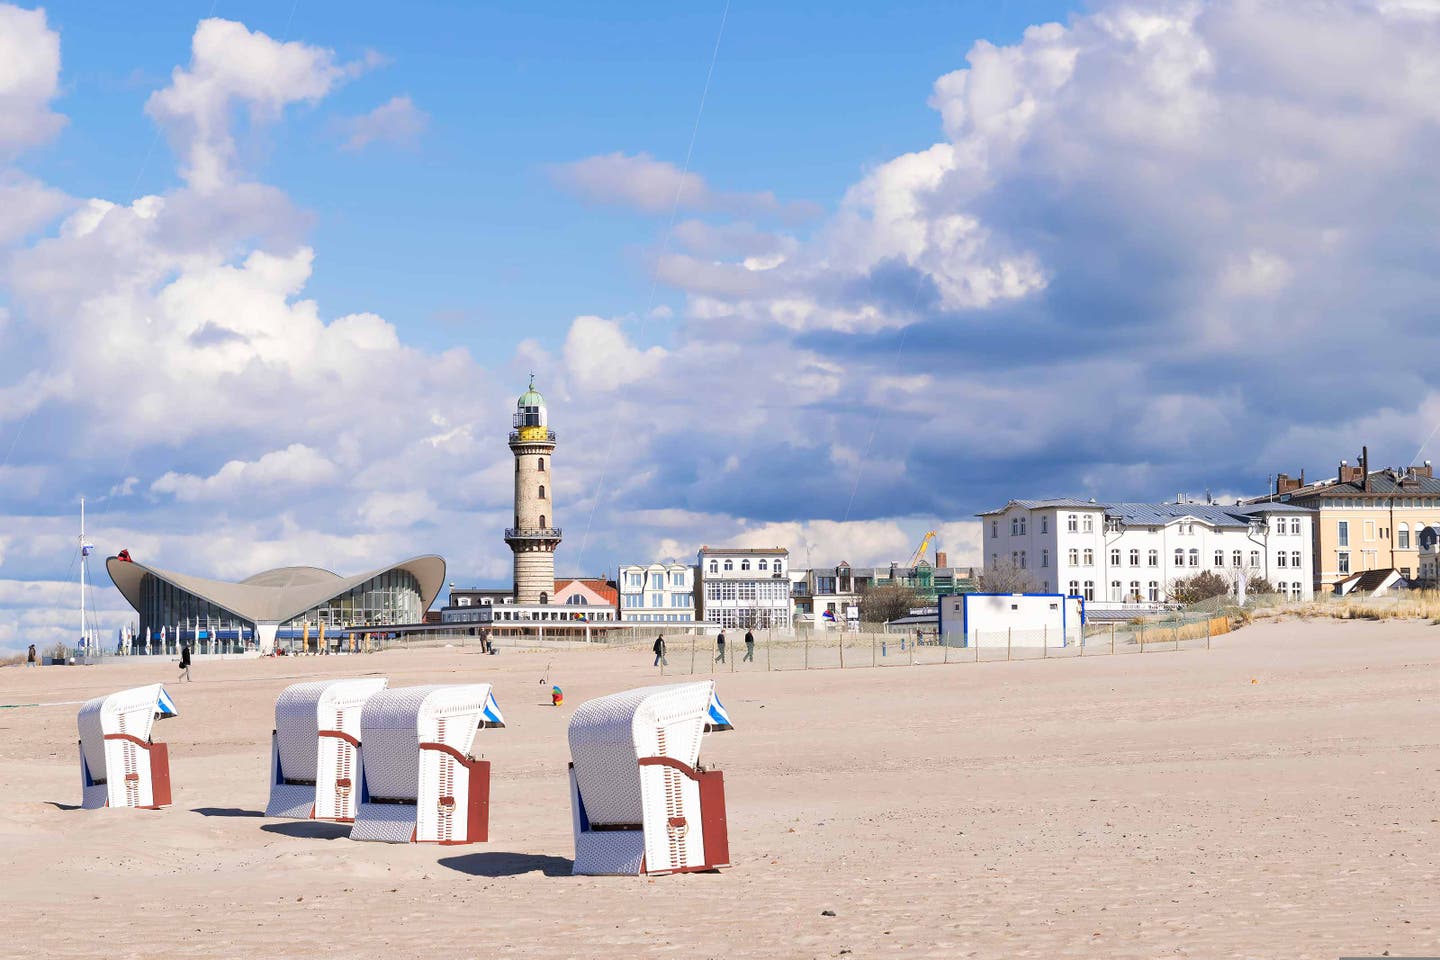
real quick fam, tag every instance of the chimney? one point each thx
(1348, 474)
(1424, 471)
(1365, 469)
(942, 560)
(1284, 483)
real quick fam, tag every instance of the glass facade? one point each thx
(181, 613)
(392, 597)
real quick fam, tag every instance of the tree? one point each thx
(1005, 577)
(1258, 585)
(1202, 586)
(887, 601)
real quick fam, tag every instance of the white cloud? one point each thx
(388, 510)
(231, 65)
(29, 79)
(599, 356)
(657, 186)
(396, 121)
(295, 466)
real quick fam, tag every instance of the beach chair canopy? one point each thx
(609, 735)
(397, 721)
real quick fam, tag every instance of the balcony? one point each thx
(538, 533)
(549, 437)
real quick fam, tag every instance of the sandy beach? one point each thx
(1275, 796)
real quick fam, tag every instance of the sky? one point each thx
(815, 276)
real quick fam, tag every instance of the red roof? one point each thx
(606, 589)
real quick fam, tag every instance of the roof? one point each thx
(746, 551)
(1064, 503)
(273, 596)
(602, 588)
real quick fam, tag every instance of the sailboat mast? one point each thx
(84, 560)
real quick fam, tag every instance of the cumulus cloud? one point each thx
(296, 465)
(232, 66)
(396, 121)
(29, 79)
(643, 183)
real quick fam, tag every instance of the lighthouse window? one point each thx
(542, 491)
(541, 461)
(542, 521)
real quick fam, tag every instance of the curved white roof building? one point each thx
(272, 601)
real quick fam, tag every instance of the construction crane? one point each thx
(920, 550)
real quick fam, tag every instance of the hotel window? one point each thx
(714, 567)
(1295, 590)
(1022, 559)
(1402, 536)
(1219, 558)
(1344, 558)
(1022, 526)
(1044, 524)
(1295, 558)
(1154, 591)
(1090, 591)
(762, 565)
(1255, 558)
(1134, 591)
(1280, 559)
(677, 579)
(1074, 556)
(777, 567)
(729, 565)
(1194, 556)
(1072, 523)
(1015, 558)
(1295, 525)
(994, 529)
(744, 564)
(1115, 557)
(1282, 588)
(1014, 526)
(1089, 523)
(1044, 558)
(1074, 588)
(1089, 557)
(1179, 556)
(1115, 594)
(1237, 558)
(1134, 558)
(1342, 530)
(1154, 558)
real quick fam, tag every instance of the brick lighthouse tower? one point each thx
(534, 536)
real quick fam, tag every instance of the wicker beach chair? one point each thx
(119, 765)
(315, 749)
(421, 783)
(640, 802)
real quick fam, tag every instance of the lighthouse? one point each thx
(535, 536)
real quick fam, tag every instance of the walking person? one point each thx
(185, 662)
(659, 649)
(30, 657)
(749, 648)
(720, 645)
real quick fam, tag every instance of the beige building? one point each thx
(1367, 521)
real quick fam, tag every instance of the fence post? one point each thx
(842, 649)
(1009, 637)
(693, 639)
(873, 661)
(1142, 636)
(1209, 629)
(1044, 641)
(769, 636)
(912, 654)
(807, 649)
(946, 644)
(1112, 639)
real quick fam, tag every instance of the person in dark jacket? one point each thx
(185, 663)
(30, 656)
(659, 649)
(720, 645)
(749, 648)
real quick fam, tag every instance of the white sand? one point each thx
(1139, 806)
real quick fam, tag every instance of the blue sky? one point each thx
(271, 278)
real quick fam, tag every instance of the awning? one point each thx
(493, 717)
(164, 706)
(716, 716)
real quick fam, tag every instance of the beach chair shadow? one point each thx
(501, 864)
(309, 829)
(63, 806)
(226, 812)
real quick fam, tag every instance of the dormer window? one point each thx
(744, 564)
(762, 565)
(729, 565)
(714, 567)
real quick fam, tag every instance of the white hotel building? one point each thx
(657, 593)
(743, 587)
(1132, 552)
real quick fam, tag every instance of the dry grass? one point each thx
(1410, 605)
